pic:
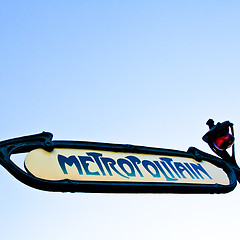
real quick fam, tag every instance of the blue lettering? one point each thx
(198, 167)
(121, 162)
(167, 168)
(84, 161)
(190, 169)
(181, 168)
(146, 165)
(130, 166)
(98, 162)
(134, 160)
(163, 172)
(168, 161)
(69, 161)
(110, 162)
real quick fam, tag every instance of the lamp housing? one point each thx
(219, 139)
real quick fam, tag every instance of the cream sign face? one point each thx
(89, 165)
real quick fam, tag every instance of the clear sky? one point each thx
(140, 72)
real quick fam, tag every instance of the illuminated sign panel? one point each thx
(107, 166)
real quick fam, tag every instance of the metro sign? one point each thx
(76, 166)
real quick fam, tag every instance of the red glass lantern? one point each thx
(219, 140)
(223, 142)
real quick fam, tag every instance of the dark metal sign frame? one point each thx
(44, 141)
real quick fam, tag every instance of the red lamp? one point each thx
(219, 139)
(224, 142)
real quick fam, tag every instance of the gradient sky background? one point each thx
(146, 73)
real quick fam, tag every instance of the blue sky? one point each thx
(141, 72)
